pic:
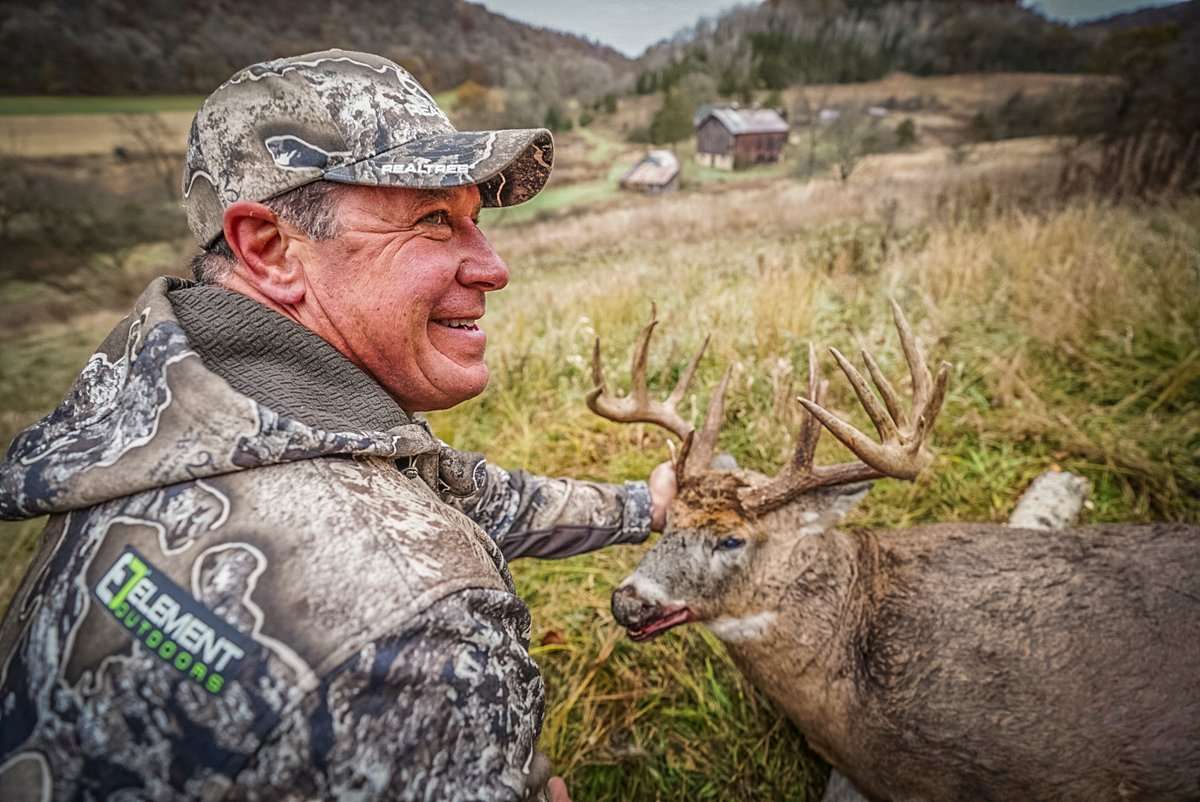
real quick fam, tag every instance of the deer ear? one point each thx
(823, 509)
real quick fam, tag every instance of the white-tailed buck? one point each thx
(944, 663)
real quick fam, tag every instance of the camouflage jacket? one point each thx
(262, 580)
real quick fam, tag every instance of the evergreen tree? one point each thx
(673, 121)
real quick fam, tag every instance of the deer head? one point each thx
(728, 531)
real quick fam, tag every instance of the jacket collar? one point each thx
(279, 363)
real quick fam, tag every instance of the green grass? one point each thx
(555, 200)
(447, 100)
(97, 104)
(602, 146)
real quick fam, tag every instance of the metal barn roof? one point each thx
(748, 121)
(657, 168)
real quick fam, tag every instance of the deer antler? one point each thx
(638, 406)
(900, 452)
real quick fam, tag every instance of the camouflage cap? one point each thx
(354, 118)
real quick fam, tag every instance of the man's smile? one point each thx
(464, 323)
(458, 334)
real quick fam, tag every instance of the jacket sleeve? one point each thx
(537, 516)
(449, 708)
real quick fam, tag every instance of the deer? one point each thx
(939, 663)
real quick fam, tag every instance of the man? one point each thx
(262, 578)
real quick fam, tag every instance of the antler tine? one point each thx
(637, 370)
(597, 374)
(878, 415)
(706, 443)
(679, 461)
(900, 452)
(810, 429)
(799, 476)
(912, 354)
(873, 454)
(927, 416)
(637, 406)
(685, 379)
(886, 390)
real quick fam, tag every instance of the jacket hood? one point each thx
(146, 411)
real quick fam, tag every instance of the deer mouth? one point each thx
(661, 624)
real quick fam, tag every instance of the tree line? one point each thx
(118, 47)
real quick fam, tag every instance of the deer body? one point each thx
(978, 662)
(945, 663)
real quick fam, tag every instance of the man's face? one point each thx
(403, 284)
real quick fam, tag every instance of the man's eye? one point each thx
(730, 543)
(440, 218)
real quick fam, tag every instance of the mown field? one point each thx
(1072, 326)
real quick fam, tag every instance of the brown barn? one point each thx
(734, 138)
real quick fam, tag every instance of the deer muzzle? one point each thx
(630, 609)
(645, 619)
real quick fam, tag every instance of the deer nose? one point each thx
(630, 609)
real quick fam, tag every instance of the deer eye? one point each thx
(729, 543)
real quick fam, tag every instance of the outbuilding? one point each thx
(658, 171)
(732, 138)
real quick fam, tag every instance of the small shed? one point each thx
(732, 138)
(658, 171)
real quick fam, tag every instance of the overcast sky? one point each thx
(632, 25)
(1089, 9)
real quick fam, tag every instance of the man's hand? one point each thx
(558, 790)
(662, 492)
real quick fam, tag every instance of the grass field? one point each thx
(97, 104)
(1072, 327)
(1074, 339)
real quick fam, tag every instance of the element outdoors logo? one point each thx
(170, 623)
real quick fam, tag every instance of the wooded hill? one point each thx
(782, 43)
(162, 46)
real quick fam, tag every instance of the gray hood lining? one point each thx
(281, 364)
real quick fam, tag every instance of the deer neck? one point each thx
(811, 586)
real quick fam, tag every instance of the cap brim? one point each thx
(509, 166)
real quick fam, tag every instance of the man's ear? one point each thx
(259, 243)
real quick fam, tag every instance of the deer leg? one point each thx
(1052, 501)
(839, 789)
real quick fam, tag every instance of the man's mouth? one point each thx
(661, 624)
(464, 323)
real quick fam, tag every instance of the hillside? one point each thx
(784, 42)
(1185, 15)
(160, 46)
(1178, 25)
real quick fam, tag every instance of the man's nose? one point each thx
(481, 267)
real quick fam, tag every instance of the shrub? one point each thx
(673, 121)
(639, 135)
(556, 120)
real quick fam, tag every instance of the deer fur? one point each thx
(956, 661)
(947, 663)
